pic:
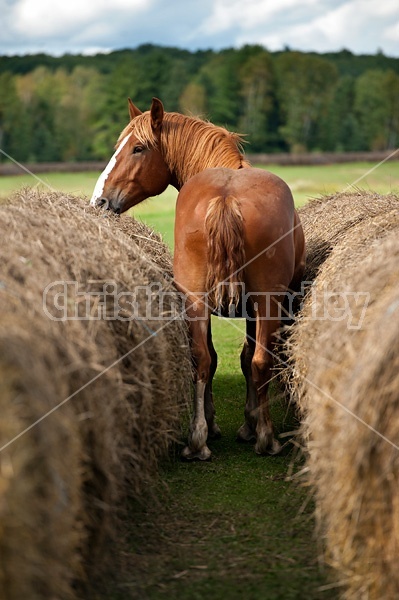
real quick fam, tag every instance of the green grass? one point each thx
(312, 181)
(232, 528)
(306, 182)
(75, 183)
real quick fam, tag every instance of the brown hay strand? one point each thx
(64, 483)
(347, 385)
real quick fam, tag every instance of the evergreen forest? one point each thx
(73, 107)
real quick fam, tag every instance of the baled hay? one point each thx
(149, 241)
(346, 375)
(63, 482)
(327, 219)
(40, 475)
(345, 255)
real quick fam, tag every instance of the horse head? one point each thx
(137, 169)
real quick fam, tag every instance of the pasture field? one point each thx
(305, 182)
(234, 527)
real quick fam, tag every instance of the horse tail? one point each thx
(224, 227)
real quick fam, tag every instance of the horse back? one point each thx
(271, 229)
(258, 192)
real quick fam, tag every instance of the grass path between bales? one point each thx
(233, 528)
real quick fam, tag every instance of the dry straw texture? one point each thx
(345, 360)
(64, 482)
(326, 220)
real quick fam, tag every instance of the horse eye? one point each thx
(138, 149)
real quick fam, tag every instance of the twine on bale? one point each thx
(345, 376)
(65, 482)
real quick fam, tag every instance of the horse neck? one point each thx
(192, 145)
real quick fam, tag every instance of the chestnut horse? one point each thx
(239, 247)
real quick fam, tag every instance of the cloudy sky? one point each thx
(59, 26)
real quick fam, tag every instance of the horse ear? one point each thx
(157, 113)
(133, 110)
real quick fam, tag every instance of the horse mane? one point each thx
(189, 144)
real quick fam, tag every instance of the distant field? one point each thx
(305, 181)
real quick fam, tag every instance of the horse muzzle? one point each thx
(105, 204)
(102, 203)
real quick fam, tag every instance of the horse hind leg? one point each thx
(247, 431)
(213, 428)
(197, 448)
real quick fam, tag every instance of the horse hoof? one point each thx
(246, 434)
(214, 432)
(266, 448)
(189, 455)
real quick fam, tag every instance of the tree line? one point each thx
(73, 107)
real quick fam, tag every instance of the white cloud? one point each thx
(379, 9)
(392, 33)
(355, 24)
(249, 14)
(59, 26)
(335, 28)
(38, 18)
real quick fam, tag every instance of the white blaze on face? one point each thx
(98, 190)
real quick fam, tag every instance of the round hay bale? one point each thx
(333, 254)
(345, 375)
(327, 219)
(40, 477)
(113, 386)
